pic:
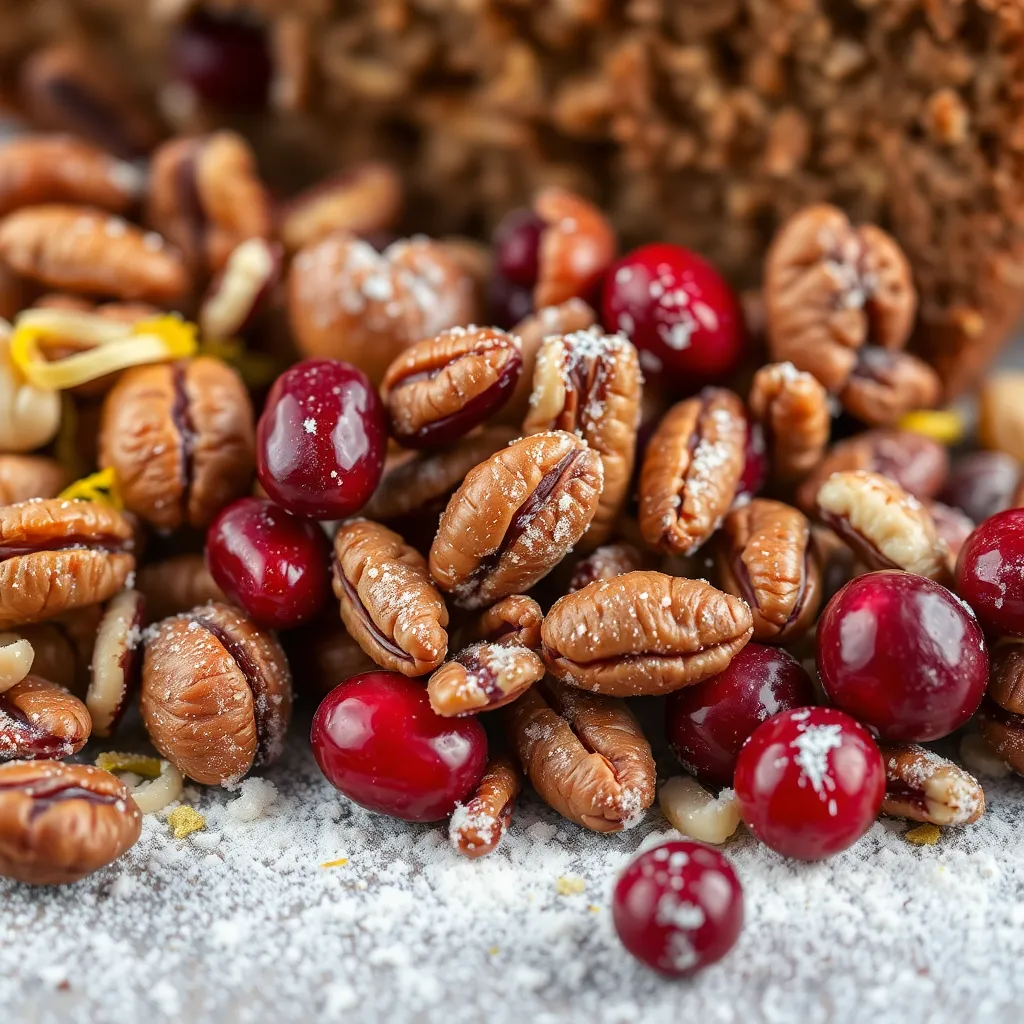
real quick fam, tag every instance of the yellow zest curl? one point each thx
(137, 764)
(943, 425)
(100, 487)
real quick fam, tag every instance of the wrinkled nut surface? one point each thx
(694, 812)
(585, 755)
(793, 409)
(177, 584)
(347, 301)
(116, 661)
(58, 555)
(765, 555)
(515, 517)
(691, 470)
(61, 822)
(23, 477)
(29, 416)
(643, 633)
(1001, 414)
(476, 827)
(59, 652)
(589, 383)
(883, 525)
(216, 694)
(829, 288)
(515, 619)
(922, 786)
(387, 600)
(79, 249)
(439, 389)
(1006, 676)
(41, 720)
(482, 677)
(241, 290)
(16, 657)
(885, 385)
(181, 439)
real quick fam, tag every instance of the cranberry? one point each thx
(321, 440)
(706, 724)
(809, 782)
(223, 59)
(678, 311)
(509, 303)
(377, 740)
(678, 907)
(990, 572)
(274, 565)
(982, 484)
(517, 247)
(900, 653)
(755, 465)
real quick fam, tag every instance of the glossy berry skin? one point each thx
(321, 440)
(809, 782)
(707, 724)
(990, 573)
(273, 564)
(678, 907)
(901, 654)
(678, 311)
(517, 247)
(377, 740)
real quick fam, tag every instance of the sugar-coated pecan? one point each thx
(765, 555)
(241, 290)
(61, 822)
(176, 584)
(476, 827)
(829, 288)
(438, 390)
(181, 439)
(216, 694)
(886, 527)
(886, 385)
(388, 602)
(691, 471)
(57, 555)
(606, 563)
(922, 786)
(1003, 731)
(515, 619)
(61, 648)
(41, 720)
(515, 517)
(482, 677)
(347, 301)
(643, 633)
(589, 383)
(792, 407)
(1002, 712)
(585, 755)
(30, 476)
(116, 661)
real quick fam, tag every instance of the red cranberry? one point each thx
(271, 563)
(509, 303)
(377, 740)
(982, 484)
(755, 465)
(321, 440)
(990, 572)
(809, 782)
(900, 653)
(517, 247)
(706, 724)
(678, 311)
(678, 907)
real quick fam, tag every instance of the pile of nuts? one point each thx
(338, 482)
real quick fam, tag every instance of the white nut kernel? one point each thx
(696, 813)
(16, 657)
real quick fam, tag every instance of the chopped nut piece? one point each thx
(923, 786)
(569, 886)
(696, 813)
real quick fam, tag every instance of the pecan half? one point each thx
(116, 661)
(793, 409)
(41, 720)
(23, 477)
(61, 822)
(766, 556)
(829, 288)
(515, 619)
(1006, 676)
(883, 525)
(1003, 731)
(585, 754)
(922, 786)
(438, 390)
(606, 563)
(61, 648)
(643, 633)
(691, 471)
(482, 677)
(515, 517)
(589, 383)
(477, 825)
(388, 603)
(885, 385)
(176, 584)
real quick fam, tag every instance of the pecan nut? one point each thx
(829, 288)
(175, 585)
(41, 720)
(477, 825)
(515, 619)
(766, 556)
(922, 786)
(691, 471)
(885, 385)
(605, 563)
(23, 477)
(57, 555)
(116, 661)
(589, 383)
(643, 633)
(216, 694)
(1001, 414)
(61, 648)
(515, 517)
(387, 600)
(585, 754)
(482, 677)
(61, 822)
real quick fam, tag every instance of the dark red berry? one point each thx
(268, 561)
(982, 484)
(377, 740)
(517, 247)
(707, 724)
(678, 907)
(809, 782)
(901, 654)
(321, 440)
(755, 465)
(990, 572)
